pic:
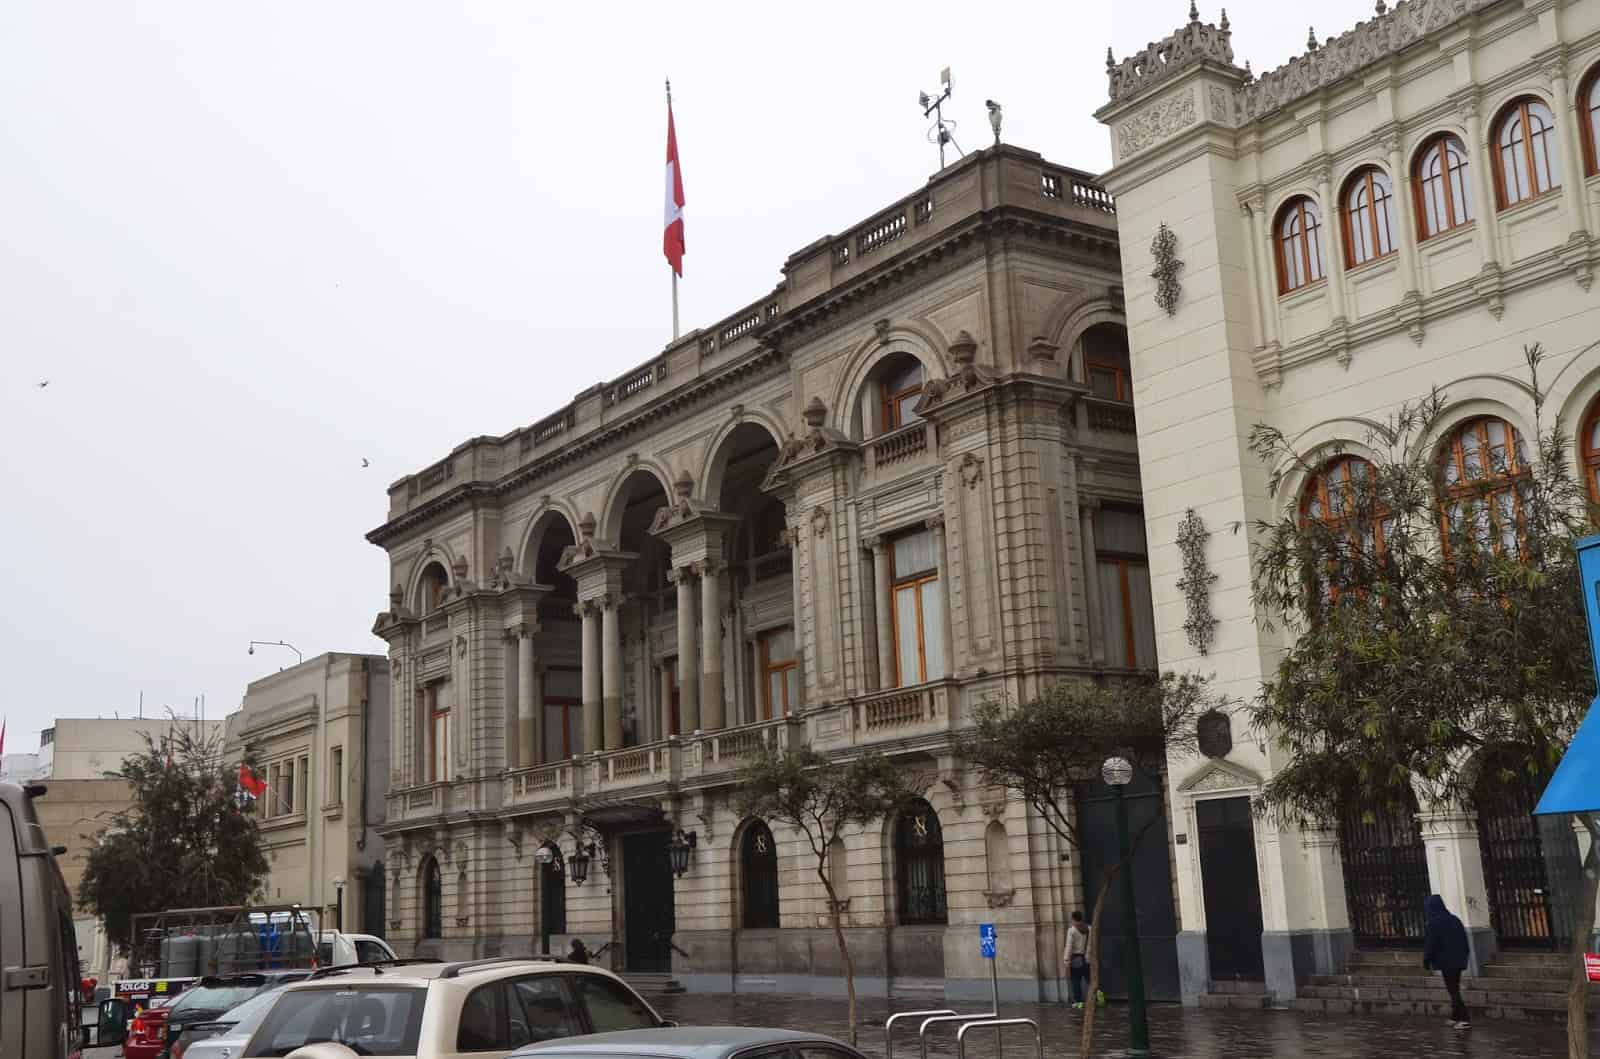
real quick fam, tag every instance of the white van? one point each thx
(39, 993)
(336, 948)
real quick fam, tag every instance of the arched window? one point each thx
(1484, 470)
(1105, 362)
(758, 867)
(1589, 120)
(1591, 451)
(899, 389)
(1299, 245)
(432, 900)
(1340, 496)
(919, 865)
(1526, 160)
(430, 591)
(1444, 190)
(1368, 217)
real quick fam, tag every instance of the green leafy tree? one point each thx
(1436, 627)
(1045, 748)
(183, 841)
(821, 797)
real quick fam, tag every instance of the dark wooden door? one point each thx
(647, 907)
(1232, 889)
(1152, 886)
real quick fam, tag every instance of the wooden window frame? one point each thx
(1456, 214)
(1591, 452)
(567, 703)
(889, 400)
(1123, 562)
(1518, 110)
(1317, 488)
(1307, 211)
(768, 668)
(1122, 376)
(1367, 177)
(435, 717)
(1589, 121)
(896, 583)
(1492, 484)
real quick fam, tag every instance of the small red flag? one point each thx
(672, 238)
(2, 735)
(252, 784)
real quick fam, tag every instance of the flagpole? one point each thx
(673, 272)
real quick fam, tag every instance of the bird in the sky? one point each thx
(44, 383)
(365, 462)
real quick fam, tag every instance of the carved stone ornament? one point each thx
(999, 898)
(1156, 123)
(1195, 584)
(970, 469)
(1164, 249)
(819, 521)
(461, 646)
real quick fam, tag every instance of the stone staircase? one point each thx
(1236, 995)
(653, 984)
(1517, 985)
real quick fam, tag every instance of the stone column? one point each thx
(1266, 281)
(1484, 204)
(688, 662)
(881, 604)
(589, 610)
(528, 741)
(1575, 189)
(1455, 869)
(794, 537)
(712, 712)
(666, 702)
(1329, 243)
(611, 667)
(936, 524)
(1325, 909)
(1405, 220)
(1091, 582)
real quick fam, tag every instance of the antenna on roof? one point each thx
(941, 132)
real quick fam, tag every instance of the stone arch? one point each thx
(1342, 176)
(1316, 445)
(430, 898)
(1287, 195)
(436, 555)
(715, 463)
(1419, 142)
(918, 338)
(1480, 395)
(1072, 317)
(538, 524)
(920, 894)
(758, 874)
(609, 529)
(1573, 393)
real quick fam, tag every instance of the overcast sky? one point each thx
(250, 245)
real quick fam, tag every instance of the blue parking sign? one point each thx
(986, 940)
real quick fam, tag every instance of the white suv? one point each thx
(480, 1008)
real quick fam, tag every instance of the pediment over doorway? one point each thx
(1220, 775)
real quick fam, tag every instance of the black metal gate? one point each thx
(647, 902)
(372, 902)
(552, 898)
(1518, 849)
(1231, 888)
(1152, 886)
(1385, 876)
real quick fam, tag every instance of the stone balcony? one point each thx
(911, 449)
(1107, 423)
(928, 710)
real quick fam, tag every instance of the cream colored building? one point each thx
(319, 732)
(899, 484)
(1405, 205)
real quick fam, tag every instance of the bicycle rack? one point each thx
(888, 1026)
(922, 1031)
(997, 1025)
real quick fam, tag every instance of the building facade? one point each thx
(319, 734)
(902, 483)
(1407, 204)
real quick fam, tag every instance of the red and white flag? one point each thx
(672, 237)
(2, 736)
(251, 783)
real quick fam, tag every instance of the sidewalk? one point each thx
(1176, 1032)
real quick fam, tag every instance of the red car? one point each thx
(147, 1034)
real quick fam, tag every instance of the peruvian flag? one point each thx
(672, 237)
(249, 782)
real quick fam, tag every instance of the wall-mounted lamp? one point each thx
(679, 847)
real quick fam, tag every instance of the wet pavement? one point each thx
(1175, 1032)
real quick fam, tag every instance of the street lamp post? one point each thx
(1118, 772)
(275, 643)
(545, 857)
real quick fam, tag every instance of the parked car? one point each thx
(336, 948)
(225, 1037)
(39, 1004)
(698, 1042)
(147, 1032)
(423, 1011)
(164, 1027)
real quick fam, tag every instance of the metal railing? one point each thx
(998, 1025)
(888, 1026)
(922, 1031)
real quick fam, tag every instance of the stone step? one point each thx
(1545, 1001)
(1240, 988)
(1435, 982)
(653, 983)
(1234, 1001)
(1439, 1010)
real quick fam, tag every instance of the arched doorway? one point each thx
(758, 876)
(559, 643)
(648, 596)
(1385, 873)
(552, 896)
(432, 900)
(919, 866)
(1528, 902)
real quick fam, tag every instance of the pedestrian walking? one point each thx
(577, 953)
(1445, 950)
(1076, 957)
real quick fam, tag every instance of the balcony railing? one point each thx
(899, 445)
(1113, 417)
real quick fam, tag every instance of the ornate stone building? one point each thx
(901, 483)
(1405, 205)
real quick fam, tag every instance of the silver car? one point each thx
(226, 1038)
(693, 1042)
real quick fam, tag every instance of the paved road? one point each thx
(1176, 1032)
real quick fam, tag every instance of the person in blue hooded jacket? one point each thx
(1445, 950)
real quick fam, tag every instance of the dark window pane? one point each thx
(610, 1005)
(483, 1021)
